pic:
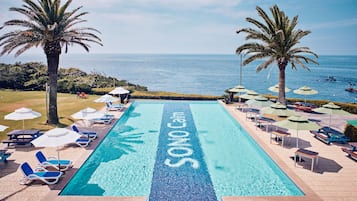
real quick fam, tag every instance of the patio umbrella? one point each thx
(238, 89)
(275, 88)
(2, 128)
(22, 114)
(118, 91)
(259, 101)
(88, 113)
(305, 90)
(297, 123)
(106, 98)
(277, 109)
(250, 94)
(55, 138)
(330, 108)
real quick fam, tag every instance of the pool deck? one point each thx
(334, 178)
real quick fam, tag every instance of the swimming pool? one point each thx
(179, 150)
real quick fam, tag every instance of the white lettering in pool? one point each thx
(179, 148)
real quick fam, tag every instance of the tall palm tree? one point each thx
(48, 24)
(276, 40)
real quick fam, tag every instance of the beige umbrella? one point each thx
(305, 90)
(250, 94)
(277, 109)
(238, 89)
(259, 101)
(297, 123)
(275, 88)
(330, 108)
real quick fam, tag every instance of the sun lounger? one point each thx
(114, 107)
(4, 155)
(83, 142)
(48, 177)
(351, 151)
(90, 134)
(53, 162)
(328, 135)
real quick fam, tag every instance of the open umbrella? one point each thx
(250, 94)
(22, 114)
(277, 109)
(275, 88)
(297, 123)
(305, 90)
(259, 101)
(56, 137)
(238, 89)
(330, 108)
(106, 98)
(2, 128)
(118, 91)
(88, 114)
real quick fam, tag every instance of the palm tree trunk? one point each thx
(52, 63)
(281, 95)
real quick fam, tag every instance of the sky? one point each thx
(204, 26)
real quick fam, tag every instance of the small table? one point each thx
(308, 154)
(281, 134)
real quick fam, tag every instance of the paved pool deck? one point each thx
(334, 178)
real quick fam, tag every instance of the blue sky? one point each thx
(206, 26)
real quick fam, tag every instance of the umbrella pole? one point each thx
(297, 139)
(23, 124)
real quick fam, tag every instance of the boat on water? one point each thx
(331, 79)
(351, 89)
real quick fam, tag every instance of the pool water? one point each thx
(179, 150)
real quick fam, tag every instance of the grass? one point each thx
(36, 100)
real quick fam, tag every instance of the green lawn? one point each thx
(36, 100)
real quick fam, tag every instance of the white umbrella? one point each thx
(88, 113)
(2, 128)
(55, 138)
(305, 90)
(22, 114)
(118, 91)
(106, 98)
(297, 123)
(275, 88)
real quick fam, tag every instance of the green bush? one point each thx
(351, 132)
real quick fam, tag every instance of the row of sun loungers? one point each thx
(329, 135)
(41, 173)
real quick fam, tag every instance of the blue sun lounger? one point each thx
(48, 177)
(329, 135)
(90, 134)
(4, 155)
(53, 162)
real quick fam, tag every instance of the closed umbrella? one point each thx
(277, 109)
(297, 123)
(275, 88)
(56, 137)
(305, 90)
(330, 108)
(259, 101)
(2, 128)
(250, 94)
(22, 114)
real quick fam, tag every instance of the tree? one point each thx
(276, 40)
(48, 24)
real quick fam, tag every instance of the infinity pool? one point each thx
(179, 150)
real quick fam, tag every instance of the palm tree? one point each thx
(48, 24)
(276, 40)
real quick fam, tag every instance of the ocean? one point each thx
(212, 74)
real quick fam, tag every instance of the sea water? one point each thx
(212, 74)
